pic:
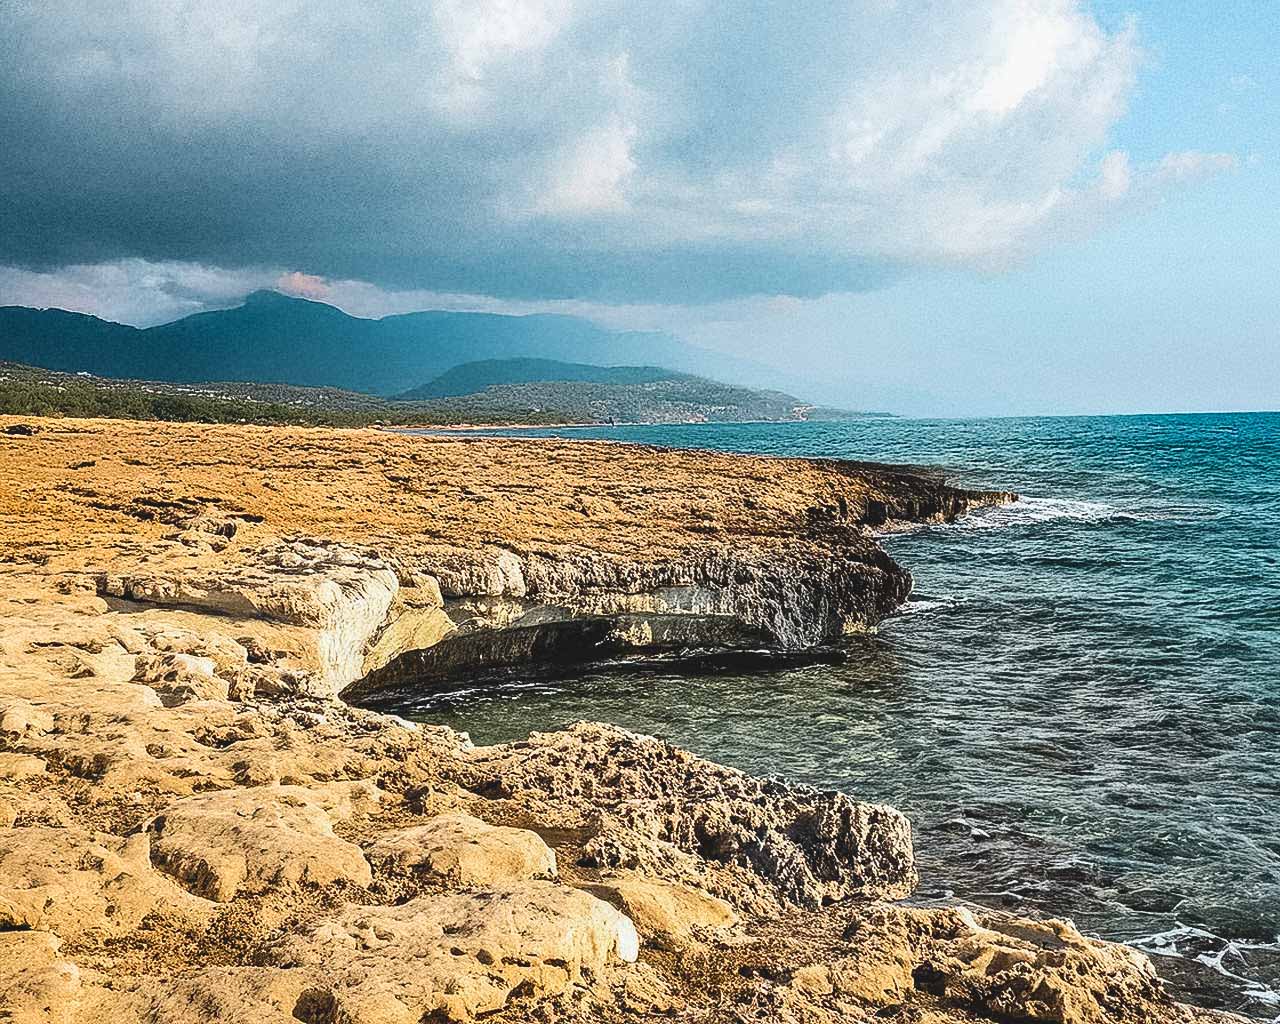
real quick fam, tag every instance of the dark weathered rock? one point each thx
(649, 805)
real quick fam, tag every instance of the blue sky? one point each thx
(1015, 206)
(1172, 307)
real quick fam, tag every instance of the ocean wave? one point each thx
(916, 605)
(1187, 942)
(1030, 510)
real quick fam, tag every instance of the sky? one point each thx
(943, 208)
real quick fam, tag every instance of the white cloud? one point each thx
(1116, 175)
(589, 176)
(134, 291)
(552, 147)
(1191, 164)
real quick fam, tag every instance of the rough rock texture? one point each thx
(219, 844)
(193, 829)
(36, 986)
(664, 912)
(463, 850)
(457, 957)
(649, 806)
(343, 552)
(999, 966)
(71, 882)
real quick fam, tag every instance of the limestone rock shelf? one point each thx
(194, 827)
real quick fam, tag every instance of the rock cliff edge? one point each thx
(194, 826)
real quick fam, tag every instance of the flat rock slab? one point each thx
(20, 766)
(36, 985)
(74, 882)
(462, 850)
(460, 956)
(220, 844)
(664, 911)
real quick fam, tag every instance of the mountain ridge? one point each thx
(275, 338)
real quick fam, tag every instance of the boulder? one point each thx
(219, 844)
(36, 985)
(462, 850)
(179, 678)
(73, 882)
(20, 718)
(459, 956)
(20, 766)
(664, 912)
(657, 809)
(997, 966)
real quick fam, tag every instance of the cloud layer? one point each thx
(637, 151)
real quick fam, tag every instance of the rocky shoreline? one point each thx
(195, 825)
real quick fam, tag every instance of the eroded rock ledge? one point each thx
(194, 828)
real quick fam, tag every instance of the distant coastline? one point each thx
(489, 395)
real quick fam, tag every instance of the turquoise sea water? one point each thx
(1079, 709)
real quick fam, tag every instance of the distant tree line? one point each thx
(83, 400)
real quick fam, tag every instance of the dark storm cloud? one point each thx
(655, 152)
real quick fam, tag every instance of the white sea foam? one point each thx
(1027, 510)
(916, 605)
(1221, 951)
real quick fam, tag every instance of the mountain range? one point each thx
(274, 338)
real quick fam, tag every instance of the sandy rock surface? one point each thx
(193, 828)
(463, 850)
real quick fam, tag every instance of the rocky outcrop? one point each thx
(220, 844)
(642, 804)
(458, 957)
(450, 557)
(998, 966)
(194, 829)
(665, 914)
(460, 849)
(73, 882)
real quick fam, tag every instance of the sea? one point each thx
(1078, 708)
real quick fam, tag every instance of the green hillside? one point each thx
(679, 398)
(479, 374)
